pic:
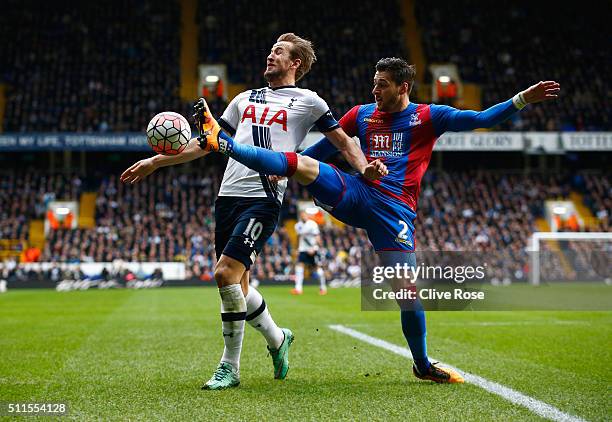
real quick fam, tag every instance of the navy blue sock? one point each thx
(412, 314)
(413, 327)
(260, 159)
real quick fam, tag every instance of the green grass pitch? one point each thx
(143, 355)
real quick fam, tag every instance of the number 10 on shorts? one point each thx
(252, 231)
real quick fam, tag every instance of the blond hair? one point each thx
(301, 49)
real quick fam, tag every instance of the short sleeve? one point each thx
(323, 118)
(231, 116)
(314, 229)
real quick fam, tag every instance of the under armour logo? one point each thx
(249, 242)
(291, 102)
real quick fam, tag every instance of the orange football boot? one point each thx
(439, 375)
(208, 127)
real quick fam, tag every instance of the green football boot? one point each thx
(225, 376)
(280, 356)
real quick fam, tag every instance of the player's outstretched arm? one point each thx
(141, 169)
(353, 154)
(451, 119)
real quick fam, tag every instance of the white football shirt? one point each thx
(308, 232)
(272, 118)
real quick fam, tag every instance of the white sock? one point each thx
(321, 275)
(233, 314)
(259, 318)
(299, 277)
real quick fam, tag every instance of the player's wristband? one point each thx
(519, 101)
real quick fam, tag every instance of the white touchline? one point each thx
(536, 406)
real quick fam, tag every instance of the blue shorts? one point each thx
(388, 222)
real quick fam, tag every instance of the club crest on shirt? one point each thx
(414, 120)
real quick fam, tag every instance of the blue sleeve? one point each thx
(321, 151)
(447, 118)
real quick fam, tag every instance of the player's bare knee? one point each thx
(225, 275)
(307, 170)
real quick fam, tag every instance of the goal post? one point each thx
(572, 251)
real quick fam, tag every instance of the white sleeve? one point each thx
(298, 227)
(231, 116)
(322, 116)
(315, 229)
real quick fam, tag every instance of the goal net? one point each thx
(565, 256)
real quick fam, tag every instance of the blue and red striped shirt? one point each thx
(404, 140)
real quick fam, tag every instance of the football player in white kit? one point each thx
(247, 209)
(308, 253)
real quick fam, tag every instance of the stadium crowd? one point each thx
(110, 66)
(92, 68)
(88, 67)
(597, 193)
(497, 54)
(170, 219)
(24, 195)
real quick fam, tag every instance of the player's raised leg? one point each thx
(305, 170)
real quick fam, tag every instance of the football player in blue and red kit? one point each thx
(402, 135)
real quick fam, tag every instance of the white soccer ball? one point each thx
(168, 133)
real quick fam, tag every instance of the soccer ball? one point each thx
(168, 133)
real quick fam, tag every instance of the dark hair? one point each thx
(399, 69)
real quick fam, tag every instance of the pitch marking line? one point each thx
(536, 406)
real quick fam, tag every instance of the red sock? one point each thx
(292, 162)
